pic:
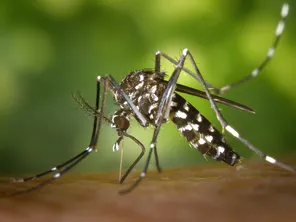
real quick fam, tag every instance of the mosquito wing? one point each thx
(218, 99)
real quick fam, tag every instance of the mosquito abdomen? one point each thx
(199, 132)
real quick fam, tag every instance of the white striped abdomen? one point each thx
(199, 132)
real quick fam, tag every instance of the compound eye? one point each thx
(121, 122)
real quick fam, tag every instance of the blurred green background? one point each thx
(50, 48)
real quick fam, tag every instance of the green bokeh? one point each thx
(51, 48)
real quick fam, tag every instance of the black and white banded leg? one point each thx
(165, 106)
(162, 114)
(122, 134)
(270, 53)
(98, 113)
(61, 169)
(230, 129)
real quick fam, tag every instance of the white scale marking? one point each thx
(195, 145)
(89, 149)
(221, 149)
(280, 28)
(211, 128)
(153, 89)
(184, 128)
(225, 88)
(270, 52)
(115, 147)
(209, 138)
(270, 159)
(113, 117)
(54, 169)
(234, 156)
(174, 104)
(153, 106)
(185, 106)
(141, 77)
(131, 95)
(232, 131)
(154, 97)
(199, 118)
(285, 10)
(140, 85)
(57, 175)
(195, 126)
(201, 141)
(255, 72)
(180, 114)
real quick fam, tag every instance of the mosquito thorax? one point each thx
(144, 88)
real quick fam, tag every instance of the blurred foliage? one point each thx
(50, 48)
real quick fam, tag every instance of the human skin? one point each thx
(252, 192)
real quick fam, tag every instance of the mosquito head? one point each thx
(120, 122)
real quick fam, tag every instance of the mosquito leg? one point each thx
(52, 170)
(228, 128)
(157, 61)
(142, 175)
(55, 176)
(66, 166)
(138, 158)
(256, 71)
(221, 119)
(142, 120)
(160, 54)
(171, 87)
(157, 161)
(278, 33)
(157, 69)
(98, 121)
(162, 114)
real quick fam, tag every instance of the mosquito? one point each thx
(146, 96)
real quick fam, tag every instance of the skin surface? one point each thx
(251, 192)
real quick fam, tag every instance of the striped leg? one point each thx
(278, 33)
(161, 116)
(68, 165)
(225, 124)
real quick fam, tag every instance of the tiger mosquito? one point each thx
(151, 100)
